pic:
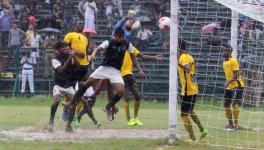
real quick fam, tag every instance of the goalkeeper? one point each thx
(189, 91)
(233, 89)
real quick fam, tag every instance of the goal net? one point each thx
(206, 26)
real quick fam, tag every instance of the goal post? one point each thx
(173, 77)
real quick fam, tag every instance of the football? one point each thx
(164, 23)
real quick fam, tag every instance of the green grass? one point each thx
(22, 112)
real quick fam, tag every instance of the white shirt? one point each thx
(27, 59)
(90, 9)
(35, 40)
(143, 35)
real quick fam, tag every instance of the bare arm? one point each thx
(61, 69)
(136, 63)
(158, 57)
(186, 68)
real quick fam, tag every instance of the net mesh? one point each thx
(206, 26)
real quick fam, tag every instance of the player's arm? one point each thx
(158, 57)
(236, 75)
(235, 67)
(101, 47)
(61, 68)
(186, 68)
(134, 60)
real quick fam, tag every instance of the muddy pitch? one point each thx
(34, 134)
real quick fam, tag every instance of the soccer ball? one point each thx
(164, 23)
(136, 25)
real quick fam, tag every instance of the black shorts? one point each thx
(129, 80)
(234, 96)
(187, 104)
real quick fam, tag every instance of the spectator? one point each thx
(165, 9)
(68, 11)
(90, 11)
(49, 44)
(5, 24)
(35, 42)
(29, 33)
(120, 9)
(136, 7)
(32, 5)
(109, 6)
(81, 9)
(15, 36)
(32, 20)
(57, 17)
(27, 73)
(144, 36)
(24, 20)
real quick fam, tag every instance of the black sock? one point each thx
(78, 95)
(71, 115)
(89, 112)
(53, 110)
(114, 100)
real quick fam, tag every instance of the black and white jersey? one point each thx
(115, 52)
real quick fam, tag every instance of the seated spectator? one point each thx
(27, 73)
(144, 36)
(109, 6)
(15, 36)
(5, 26)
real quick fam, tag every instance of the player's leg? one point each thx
(119, 89)
(78, 95)
(110, 93)
(24, 79)
(89, 111)
(196, 119)
(54, 106)
(130, 122)
(236, 106)
(228, 109)
(185, 110)
(31, 81)
(135, 92)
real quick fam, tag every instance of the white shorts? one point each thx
(57, 90)
(107, 72)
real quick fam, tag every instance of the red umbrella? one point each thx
(90, 31)
(210, 28)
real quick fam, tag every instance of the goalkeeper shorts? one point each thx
(187, 104)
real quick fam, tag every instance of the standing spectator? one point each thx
(90, 11)
(35, 42)
(49, 44)
(57, 17)
(68, 11)
(81, 9)
(144, 35)
(24, 21)
(120, 8)
(32, 20)
(27, 73)
(29, 33)
(32, 5)
(109, 6)
(15, 36)
(5, 24)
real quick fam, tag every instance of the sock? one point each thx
(79, 107)
(126, 108)
(136, 108)
(236, 112)
(89, 112)
(114, 100)
(71, 115)
(229, 116)
(78, 95)
(188, 126)
(53, 110)
(195, 119)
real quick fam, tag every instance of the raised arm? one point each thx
(103, 46)
(61, 68)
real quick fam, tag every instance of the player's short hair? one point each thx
(228, 49)
(60, 45)
(119, 31)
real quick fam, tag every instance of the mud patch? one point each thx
(35, 134)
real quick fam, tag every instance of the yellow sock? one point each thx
(236, 112)
(126, 108)
(196, 119)
(229, 115)
(136, 108)
(78, 107)
(188, 126)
